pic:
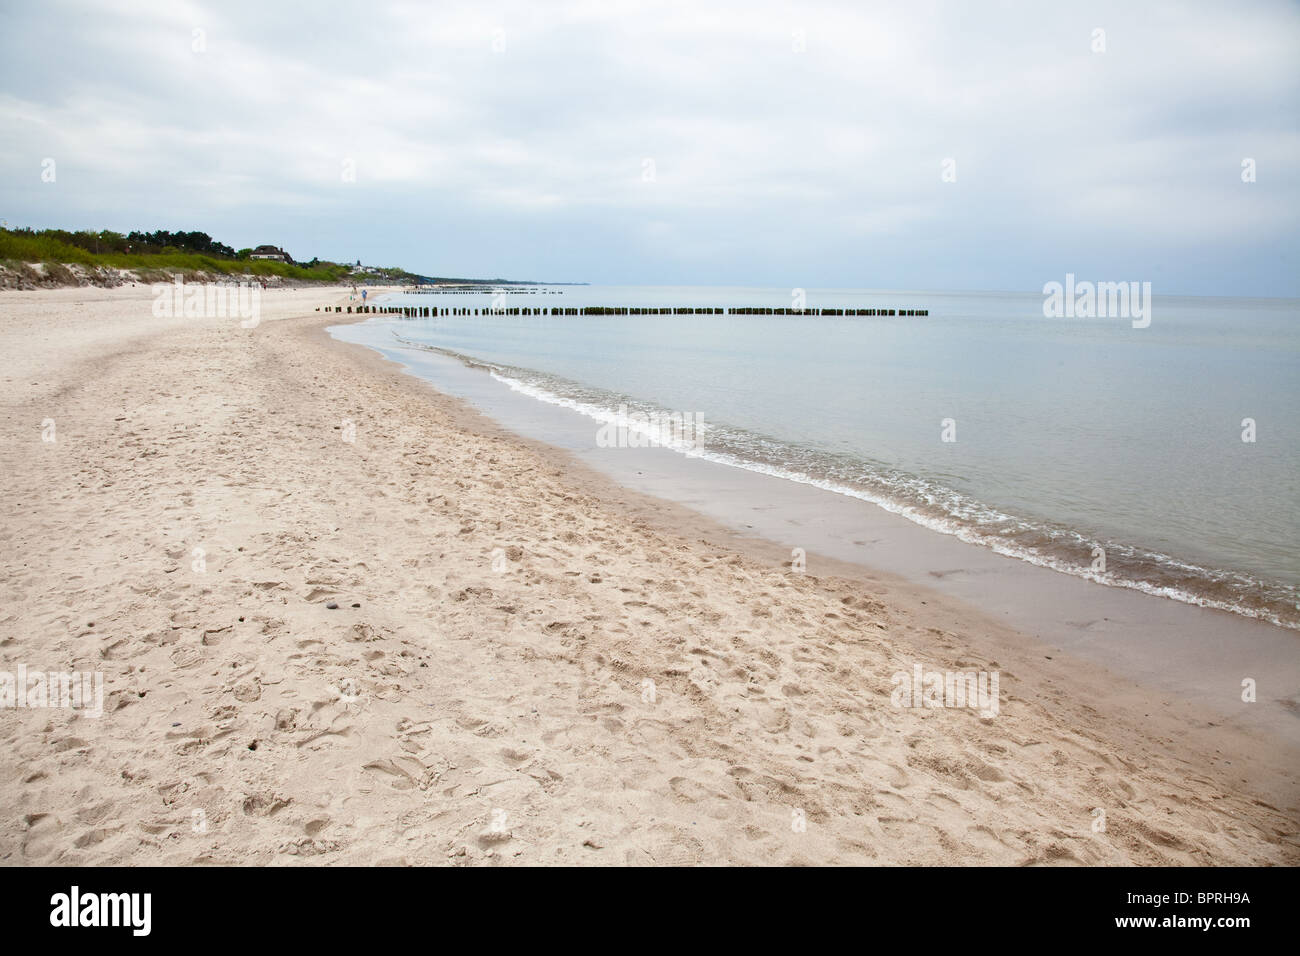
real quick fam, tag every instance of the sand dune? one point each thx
(526, 664)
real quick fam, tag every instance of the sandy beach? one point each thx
(527, 663)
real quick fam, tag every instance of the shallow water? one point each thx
(1074, 438)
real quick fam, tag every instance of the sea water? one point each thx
(1162, 455)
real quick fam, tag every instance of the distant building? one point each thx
(271, 252)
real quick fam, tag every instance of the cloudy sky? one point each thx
(910, 145)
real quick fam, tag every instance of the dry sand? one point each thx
(472, 714)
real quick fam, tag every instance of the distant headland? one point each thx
(36, 258)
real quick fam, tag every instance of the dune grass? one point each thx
(29, 246)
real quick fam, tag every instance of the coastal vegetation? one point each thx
(159, 255)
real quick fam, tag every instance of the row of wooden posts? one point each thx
(427, 312)
(476, 290)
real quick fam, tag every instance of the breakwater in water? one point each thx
(433, 312)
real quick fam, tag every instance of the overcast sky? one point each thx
(781, 144)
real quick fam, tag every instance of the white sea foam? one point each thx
(963, 520)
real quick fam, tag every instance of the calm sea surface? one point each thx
(1075, 438)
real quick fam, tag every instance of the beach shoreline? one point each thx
(1196, 652)
(510, 682)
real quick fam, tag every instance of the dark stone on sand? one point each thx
(332, 606)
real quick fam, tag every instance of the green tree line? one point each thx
(152, 253)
